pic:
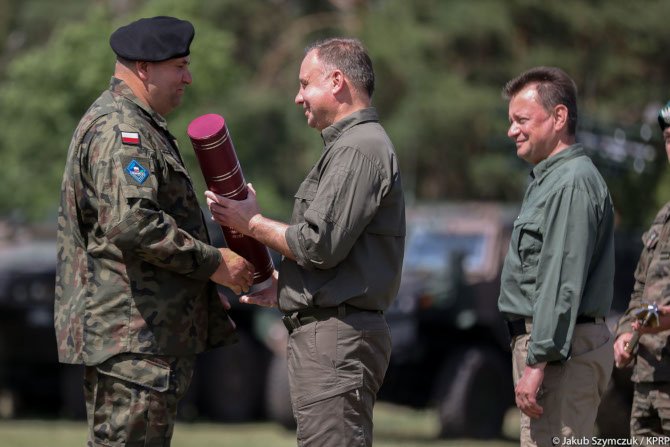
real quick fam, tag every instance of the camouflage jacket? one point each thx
(133, 255)
(652, 285)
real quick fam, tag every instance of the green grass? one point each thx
(394, 427)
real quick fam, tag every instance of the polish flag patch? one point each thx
(130, 138)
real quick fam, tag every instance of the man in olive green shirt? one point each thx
(343, 251)
(557, 280)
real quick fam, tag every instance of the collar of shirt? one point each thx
(118, 87)
(548, 164)
(333, 132)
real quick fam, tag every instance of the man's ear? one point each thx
(337, 81)
(560, 117)
(142, 68)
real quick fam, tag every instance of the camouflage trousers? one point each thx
(131, 399)
(650, 416)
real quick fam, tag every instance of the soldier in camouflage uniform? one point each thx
(135, 292)
(651, 401)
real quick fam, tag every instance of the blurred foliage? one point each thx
(440, 66)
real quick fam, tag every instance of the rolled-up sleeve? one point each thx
(126, 184)
(568, 244)
(337, 210)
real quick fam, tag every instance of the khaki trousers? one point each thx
(571, 391)
(335, 369)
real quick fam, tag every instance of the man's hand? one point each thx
(527, 388)
(266, 297)
(224, 301)
(621, 357)
(234, 272)
(235, 214)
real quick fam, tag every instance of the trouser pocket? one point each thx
(132, 399)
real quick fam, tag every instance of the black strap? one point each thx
(313, 314)
(584, 319)
(518, 327)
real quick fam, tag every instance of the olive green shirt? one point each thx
(347, 231)
(560, 262)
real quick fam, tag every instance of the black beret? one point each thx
(153, 39)
(664, 116)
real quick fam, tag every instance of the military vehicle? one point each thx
(450, 345)
(30, 376)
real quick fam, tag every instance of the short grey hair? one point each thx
(350, 57)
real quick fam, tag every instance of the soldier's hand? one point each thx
(663, 322)
(234, 272)
(266, 297)
(621, 357)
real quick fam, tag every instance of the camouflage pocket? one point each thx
(152, 373)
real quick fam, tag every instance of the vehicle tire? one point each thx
(231, 381)
(278, 397)
(473, 390)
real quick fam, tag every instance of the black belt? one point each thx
(518, 326)
(310, 315)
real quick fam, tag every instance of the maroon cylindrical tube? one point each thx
(219, 164)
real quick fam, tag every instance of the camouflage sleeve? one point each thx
(636, 297)
(129, 215)
(651, 275)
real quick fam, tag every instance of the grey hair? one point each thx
(350, 57)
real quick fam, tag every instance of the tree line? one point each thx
(440, 66)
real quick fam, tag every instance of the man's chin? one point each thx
(526, 156)
(312, 124)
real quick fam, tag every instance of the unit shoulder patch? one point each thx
(136, 171)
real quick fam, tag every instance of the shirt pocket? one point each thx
(307, 190)
(529, 246)
(175, 166)
(658, 251)
(304, 198)
(176, 195)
